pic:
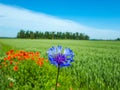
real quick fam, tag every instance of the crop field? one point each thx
(96, 65)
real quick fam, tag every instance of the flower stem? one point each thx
(57, 77)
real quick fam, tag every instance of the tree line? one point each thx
(118, 39)
(51, 35)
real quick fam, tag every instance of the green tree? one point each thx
(22, 33)
(53, 34)
(36, 34)
(86, 37)
(77, 35)
(32, 36)
(27, 34)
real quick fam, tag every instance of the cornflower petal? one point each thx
(59, 49)
(56, 56)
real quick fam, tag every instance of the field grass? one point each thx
(96, 65)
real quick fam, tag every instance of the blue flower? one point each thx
(58, 58)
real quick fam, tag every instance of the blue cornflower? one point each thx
(58, 58)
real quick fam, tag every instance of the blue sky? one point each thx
(98, 18)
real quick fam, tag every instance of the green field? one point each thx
(96, 65)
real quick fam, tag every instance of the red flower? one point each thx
(15, 68)
(40, 61)
(9, 57)
(11, 51)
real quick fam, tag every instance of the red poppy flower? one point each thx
(15, 68)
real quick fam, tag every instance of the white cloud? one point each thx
(12, 19)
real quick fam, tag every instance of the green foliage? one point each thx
(51, 35)
(96, 66)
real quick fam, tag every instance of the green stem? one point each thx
(57, 76)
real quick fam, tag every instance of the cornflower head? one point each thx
(58, 58)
